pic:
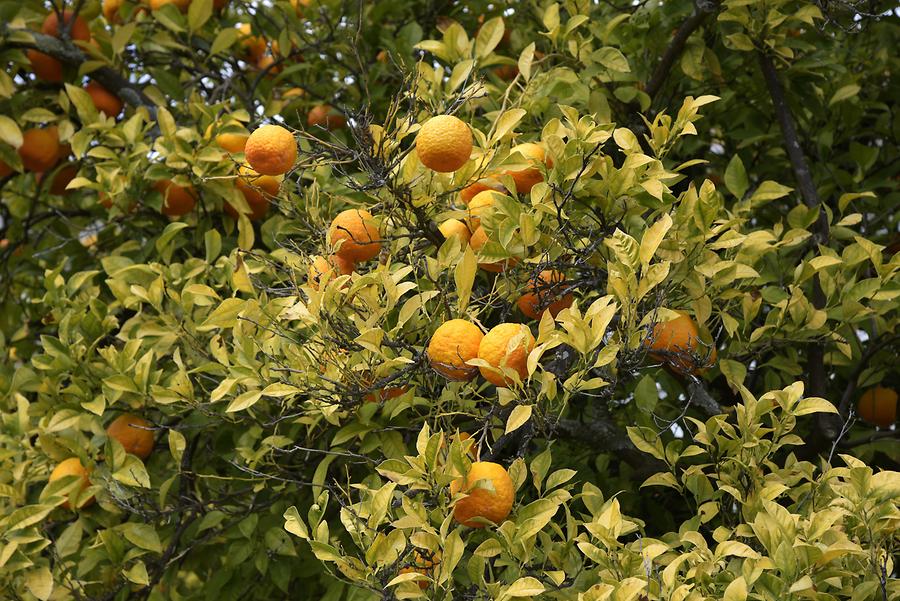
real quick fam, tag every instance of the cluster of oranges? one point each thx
(134, 433)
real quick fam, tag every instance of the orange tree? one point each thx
(449, 300)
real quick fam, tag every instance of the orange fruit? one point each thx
(181, 5)
(219, 4)
(354, 235)
(678, 343)
(455, 227)
(72, 467)
(324, 269)
(505, 346)
(444, 143)
(470, 191)
(423, 564)
(80, 30)
(477, 241)
(177, 200)
(267, 63)
(254, 46)
(299, 5)
(480, 205)
(878, 406)
(45, 67)
(385, 394)
(257, 189)
(134, 433)
(111, 10)
(106, 102)
(324, 115)
(62, 178)
(452, 344)
(294, 93)
(40, 148)
(527, 178)
(489, 495)
(506, 72)
(232, 142)
(5, 169)
(271, 150)
(546, 292)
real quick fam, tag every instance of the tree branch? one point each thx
(603, 435)
(828, 425)
(702, 9)
(69, 53)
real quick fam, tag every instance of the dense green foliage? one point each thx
(734, 160)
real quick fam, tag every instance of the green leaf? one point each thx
(646, 395)
(225, 39)
(199, 12)
(653, 237)
(244, 401)
(143, 536)
(39, 583)
(293, 523)
(224, 316)
(844, 93)
(612, 59)
(10, 132)
(736, 590)
(169, 234)
(518, 417)
(523, 587)
(488, 37)
(464, 277)
(769, 190)
(736, 177)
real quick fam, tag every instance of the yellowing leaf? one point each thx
(518, 417)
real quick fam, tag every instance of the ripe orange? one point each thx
(111, 10)
(324, 115)
(254, 46)
(232, 142)
(293, 93)
(134, 433)
(452, 344)
(267, 63)
(678, 343)
(72, 467)
(105, 101)
(181, 5)
(62, 178)
(878, 406)
(45, 67)
(527, 178)
(354, 235)
(423, 564)
(80, 30)
(324, 269)
(257, 189)
(299, 5)
(477, 241)
(470, 191)
(505, 346)
(481, 205)
(490, 495)
(40, 148)
(271, 150)
(385, 394)
(546, 292)
(455, 227)
(506, 72)
(177, 200)
(444, 143)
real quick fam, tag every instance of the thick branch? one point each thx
(69, 53)
(702, 9)
(602, 435)
(828, 425)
